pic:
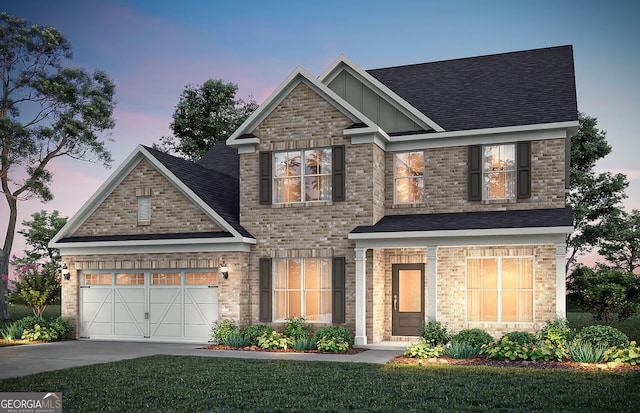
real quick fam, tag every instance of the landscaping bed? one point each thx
(288, 350)
(546, 365)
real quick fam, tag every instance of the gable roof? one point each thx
(508, 89)
(218, 190)
(215, 192)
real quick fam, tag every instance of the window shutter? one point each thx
(265, 289)
(338, 166)
(337, 285)
(475, 173)
(265, 178)
(523, 165)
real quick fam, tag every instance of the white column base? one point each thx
(360, 340)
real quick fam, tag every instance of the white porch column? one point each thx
(432, 282)
(361, 297)
(561, 280)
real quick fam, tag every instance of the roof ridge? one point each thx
(470, 57)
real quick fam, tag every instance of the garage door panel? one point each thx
(96, 312)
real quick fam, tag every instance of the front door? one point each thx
(407, 299)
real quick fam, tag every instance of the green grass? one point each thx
(178, 383)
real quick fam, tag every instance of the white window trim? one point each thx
(515, 172)
(499, 289)
(274, 178)
(144, 210)
(395, 179)
(302, 290)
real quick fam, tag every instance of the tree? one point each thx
(604, 292)
(37, 286)
(594, 197)
(620, 244)
(205, 115)
(38, 232)
(47, 111)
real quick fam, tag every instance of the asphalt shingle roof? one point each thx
(222, 158)
(218, 190)
(508, 89)
(529, 218)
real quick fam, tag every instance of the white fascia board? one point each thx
(100, 194)
(152, 247)
(557, 130)
(373, 134)
(281, 92)
(456, 241)
(344, 63)
(463, 233)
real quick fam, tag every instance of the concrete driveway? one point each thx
(23, 360)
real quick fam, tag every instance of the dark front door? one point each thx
(407, 299)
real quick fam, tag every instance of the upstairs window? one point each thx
(144, 210)
(409, 177)
(499, 171)
(302, 176)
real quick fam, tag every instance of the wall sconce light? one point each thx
(65, 272)
(224, 270)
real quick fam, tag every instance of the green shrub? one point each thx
(334, 333)
(236, 339)
(548, 351)
(12, 331)
(521, 337)
(221, 330)
(303, 343)
(424, 350)
(625, 354)
(505, 349)
(434, 333)
(275, 341)
(254, 331)
(556, 332)
(40, 333)
(475, 337)
(605, 336)
(334, 345)
(296, 328)
(27, 323)
(62, 326)
(586, 352)
(458, 349)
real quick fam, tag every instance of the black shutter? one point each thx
(475, 173)
(523, 165)
(337, 285)
(265, 178)
(265, 289)
(338, 165)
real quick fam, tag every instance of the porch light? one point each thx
(65, 272)
(224, 270)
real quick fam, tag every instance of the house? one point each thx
(373, 199)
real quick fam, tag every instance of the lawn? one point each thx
(175, 383)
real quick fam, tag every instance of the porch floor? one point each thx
(396, 343)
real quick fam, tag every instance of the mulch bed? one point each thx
(350, 351)
(547, 365)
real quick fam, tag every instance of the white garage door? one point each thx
(154, 305)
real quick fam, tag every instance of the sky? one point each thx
(152, 49)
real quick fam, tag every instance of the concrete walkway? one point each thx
(23, 360)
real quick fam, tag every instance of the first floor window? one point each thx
(409, 177)
(500, 289)
(499, 171)
(302, 288)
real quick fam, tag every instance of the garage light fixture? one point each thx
(224, 270)
(65, 272)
